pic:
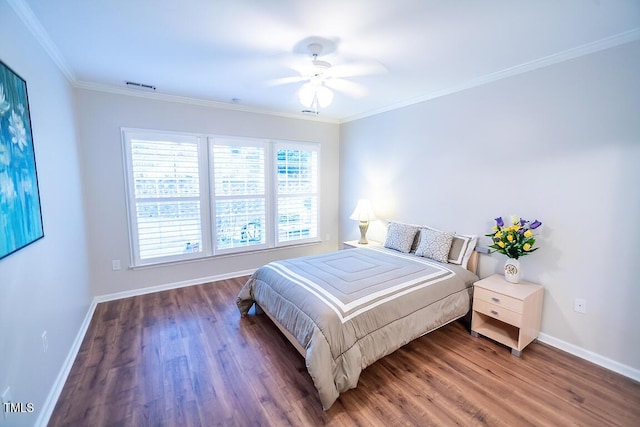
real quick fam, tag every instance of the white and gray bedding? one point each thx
(349, 308)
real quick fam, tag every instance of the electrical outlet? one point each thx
(115, 264)
(45, 342)
(580, 305)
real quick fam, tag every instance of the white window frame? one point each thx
(127, 136)
(207, 198)
(244, 142)
(302, 146)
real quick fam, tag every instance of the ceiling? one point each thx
(222, 52)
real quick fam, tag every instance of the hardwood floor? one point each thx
(185, 357)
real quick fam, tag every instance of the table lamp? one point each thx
(363, 214)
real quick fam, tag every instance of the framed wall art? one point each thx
(20, 213)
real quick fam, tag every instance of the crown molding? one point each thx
(24, 12)
(27, 16)
(196, 101)
(556, 58)
(30, 20)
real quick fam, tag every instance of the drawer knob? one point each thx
(494, 312)
(494, 299)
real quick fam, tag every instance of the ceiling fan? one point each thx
(322, 78)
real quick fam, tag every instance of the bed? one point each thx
(344, 310)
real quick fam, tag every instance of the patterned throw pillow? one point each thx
(434, 244)
(400, 237)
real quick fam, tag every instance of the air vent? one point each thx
(140, 86)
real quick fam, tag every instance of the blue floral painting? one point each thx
(20, 215)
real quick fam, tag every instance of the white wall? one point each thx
(560, 144)
(46, 285)
(101, 115)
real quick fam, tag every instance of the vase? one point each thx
(512, 270)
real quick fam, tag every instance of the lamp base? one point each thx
(364, 226)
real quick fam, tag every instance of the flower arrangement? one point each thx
(515, 240)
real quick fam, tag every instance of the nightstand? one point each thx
(354, 244)
(507, 312)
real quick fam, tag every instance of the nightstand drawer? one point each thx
(498, 312)
(497, 299)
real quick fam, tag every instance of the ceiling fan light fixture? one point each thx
(306, 94)
(324, 95)
(313, 95)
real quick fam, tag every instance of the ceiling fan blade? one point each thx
(358, 69)
(355, 90)
(284, 81)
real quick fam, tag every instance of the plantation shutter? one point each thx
(165, 196)
(297, 189)
(239, 194)
(193, 196)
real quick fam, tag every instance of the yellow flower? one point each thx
(526, 246)
(510, 237)
(501, 244)
(495, 228)
(528, 233)
(498, 234)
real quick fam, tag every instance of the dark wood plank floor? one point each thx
(185, 357)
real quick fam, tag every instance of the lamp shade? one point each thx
(363, 211)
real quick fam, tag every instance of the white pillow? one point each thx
(472, 246)
(462, 247)
(434, 244)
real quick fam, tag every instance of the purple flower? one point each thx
(522, 222)
(499, 221)
(535, 224)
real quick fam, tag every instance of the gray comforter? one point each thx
(350, 308)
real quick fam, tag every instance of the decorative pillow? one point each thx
(458, 248)
(470, 248)
(462, 247)
(400, 236)
(434, 244)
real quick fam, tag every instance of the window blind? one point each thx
(191, 196)
(166, 182)
(297, 194)
(239, 194)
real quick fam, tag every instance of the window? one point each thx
(193, 196)
(297, 193)
(165, 196)
(239, 194)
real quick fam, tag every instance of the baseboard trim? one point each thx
(50, 403)
(592, 357)
(168, 286)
